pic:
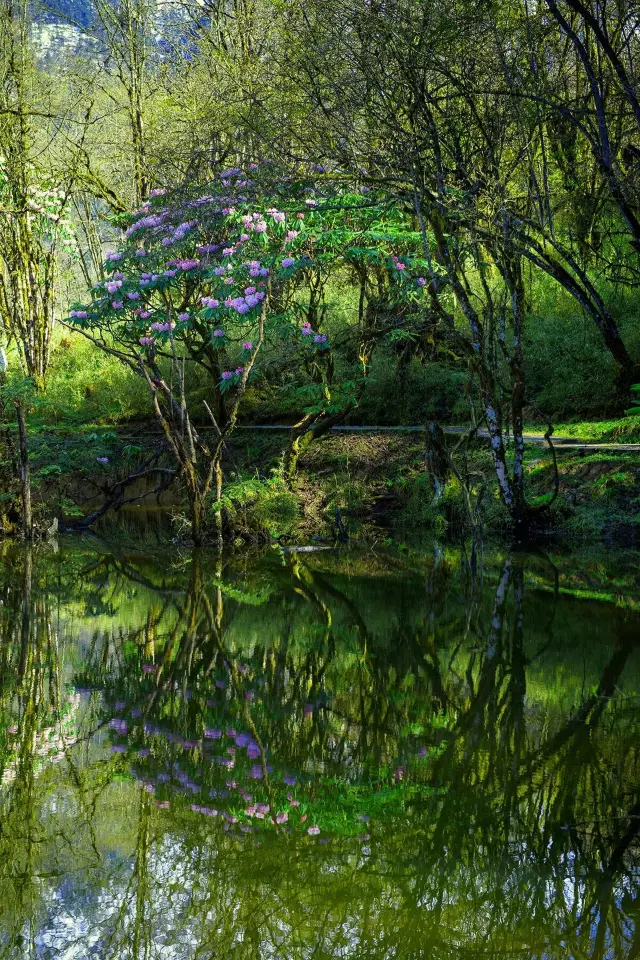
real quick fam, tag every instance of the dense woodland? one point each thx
(254, 212)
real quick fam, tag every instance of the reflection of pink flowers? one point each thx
(282, 817)
(313, 831)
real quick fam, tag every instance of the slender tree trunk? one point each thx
(25, 477)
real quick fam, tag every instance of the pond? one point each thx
(340, 753)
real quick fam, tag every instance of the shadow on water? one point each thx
(338, 754)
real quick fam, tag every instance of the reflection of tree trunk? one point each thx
(593, 707)
(141, 926)
(25, 623)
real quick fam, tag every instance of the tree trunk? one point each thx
(25, 478)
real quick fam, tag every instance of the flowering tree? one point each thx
(209, 279)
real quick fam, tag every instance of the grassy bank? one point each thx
(375, 482)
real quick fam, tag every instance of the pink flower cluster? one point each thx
(255, 221)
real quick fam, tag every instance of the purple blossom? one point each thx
(287, 262)
(227, 374)
(117, 304)
(154, 220)
(183, 317)
(133, 296)
(421, 282)
(141, 252)
(146, 341)
(313, 831)
(113, 257)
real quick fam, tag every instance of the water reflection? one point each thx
(327, 755)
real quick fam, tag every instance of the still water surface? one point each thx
(318, 755)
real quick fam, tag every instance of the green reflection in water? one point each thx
(336, 754)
